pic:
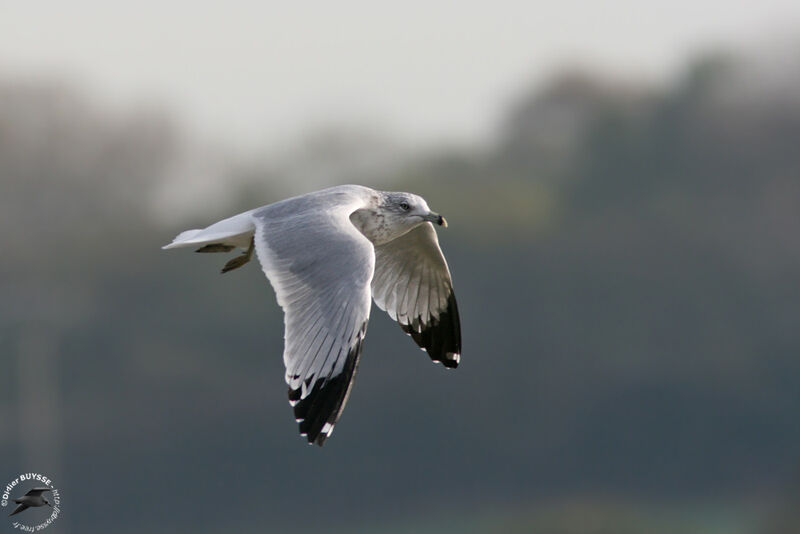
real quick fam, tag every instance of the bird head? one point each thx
(407, 211)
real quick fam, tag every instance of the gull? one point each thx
(327, 255)
(32, 498)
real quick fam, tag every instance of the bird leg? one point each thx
(241, 259)
(216, 247)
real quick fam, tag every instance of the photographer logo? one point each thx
(29, 495)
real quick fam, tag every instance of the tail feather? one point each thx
(181, 238)
(235, 231)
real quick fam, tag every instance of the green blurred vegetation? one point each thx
(626, 262)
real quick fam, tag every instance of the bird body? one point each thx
(327, 254)
(33, 498)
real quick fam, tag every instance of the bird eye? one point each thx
(405, 206)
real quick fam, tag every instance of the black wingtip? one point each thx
(319, 411)
(441, 338)
(452, 363)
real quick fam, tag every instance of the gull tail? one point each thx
(181, 238)
(236, 231)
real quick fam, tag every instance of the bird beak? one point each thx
(435, 218)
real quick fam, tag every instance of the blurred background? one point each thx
(622, 182)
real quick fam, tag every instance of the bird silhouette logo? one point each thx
(33, 498)
(43, 493)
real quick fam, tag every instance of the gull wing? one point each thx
(320, 267)
(19, 509)
(412, 284)
(38, 491)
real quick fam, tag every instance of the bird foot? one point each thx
(216, 247)
(240, 260)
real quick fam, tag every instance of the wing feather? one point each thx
(412, 284)
(321, 267)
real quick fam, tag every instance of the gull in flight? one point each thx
(32, 498)
(328, 254)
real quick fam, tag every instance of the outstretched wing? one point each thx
(19, 509)
(320, 267)
(412, 284)
(38, 491)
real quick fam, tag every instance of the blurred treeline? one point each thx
(628, 270)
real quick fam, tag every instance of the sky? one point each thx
(262, 74)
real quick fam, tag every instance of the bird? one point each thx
(32, 498)
(327, 255)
